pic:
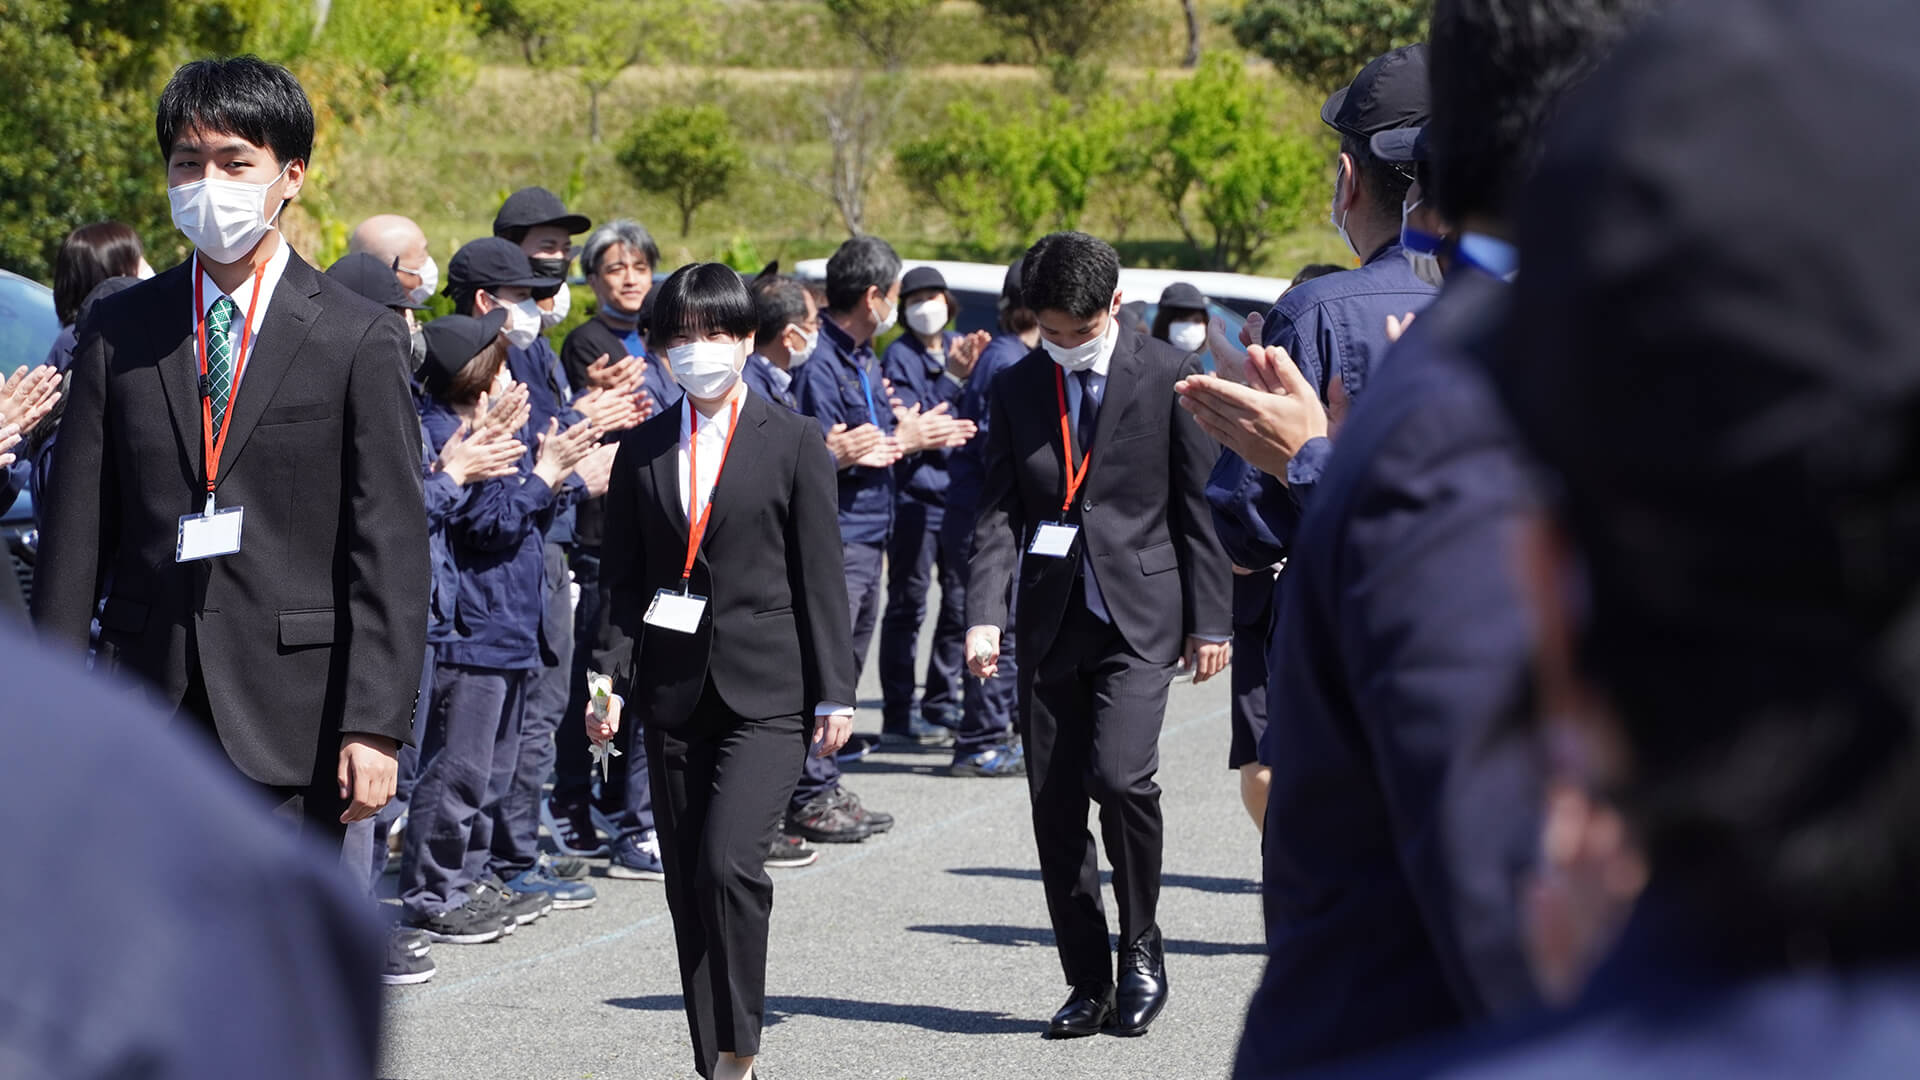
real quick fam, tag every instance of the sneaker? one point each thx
(946, 716)
(637, 858)
(475, 922)
(403, 965)
(826, 820)
(414, 941)
(567, 895)
(565, 867)
(571, 826)
(875, 821)
(790, 853)
(917, 732)
(858, 747)
(995, 761)
(519, 907)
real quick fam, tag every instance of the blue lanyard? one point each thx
(866, 384)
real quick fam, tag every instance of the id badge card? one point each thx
(678, 612)
(1053, 540)
(209, 535)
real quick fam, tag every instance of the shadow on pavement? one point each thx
(1196, 882)
(1026, 936)
(925, 1017)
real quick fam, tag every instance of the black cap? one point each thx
(1719, 369)
(921, 277)
(364, 273)
(1390, 92)
(1183, 297)
(537, 206)
(454, 340)
(1010, 288)
(1401, 146)
(490, 263)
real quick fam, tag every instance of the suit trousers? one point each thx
(516, 830)
(1252, 631)
(1092, 731)
(917, 552)
(466, 765)
(721, 782)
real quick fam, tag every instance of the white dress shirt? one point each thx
(712, 434)
(241, 297)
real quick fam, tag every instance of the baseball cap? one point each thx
(537, 206)
(492, 262)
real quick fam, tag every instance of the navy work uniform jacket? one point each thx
(841, 384)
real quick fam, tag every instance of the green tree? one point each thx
(690, 153)
(1064, 28)
(894, 32)
(1225, 175)
(1325, 43)
(599, 39)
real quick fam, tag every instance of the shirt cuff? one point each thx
(832, 708)
(1211, 639)
(1307, 465)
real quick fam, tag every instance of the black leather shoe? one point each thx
(1087, 1012)
(1143, 986)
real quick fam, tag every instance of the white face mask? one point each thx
(1088, 353)
(808, 342)
(1338, 219)
(223, 218)
(523, 322)
(706, 369)
(1187, 336)
(562, 303)
(888, 321)
(927, 316)
(429, 275)
(1422, 249)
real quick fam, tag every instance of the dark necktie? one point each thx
(1089, 411)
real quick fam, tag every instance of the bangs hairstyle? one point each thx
(476, 378)
(245, 96)
(697, 300)
(88, 256)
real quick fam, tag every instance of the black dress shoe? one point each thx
(1143, 986)
(1087, 1012)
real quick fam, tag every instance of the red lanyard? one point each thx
(697, 526)
(214, 445)
(1074, 478)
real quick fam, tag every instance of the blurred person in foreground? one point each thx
(278, 978)
(1402, 649)
(1731, 721)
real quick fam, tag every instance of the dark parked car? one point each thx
(27, 329)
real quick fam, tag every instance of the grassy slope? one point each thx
(449, 166)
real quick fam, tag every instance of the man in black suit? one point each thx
(1095, 489)
(239, 474)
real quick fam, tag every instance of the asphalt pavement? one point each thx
(922, 954)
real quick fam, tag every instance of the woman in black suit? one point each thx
(726, 635)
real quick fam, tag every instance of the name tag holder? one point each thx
(676, 611)
(213, 533)
(681, 612)
(1054, 539)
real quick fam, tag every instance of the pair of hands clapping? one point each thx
(25, 399)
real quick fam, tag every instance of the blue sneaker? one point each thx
(997, 761)
(637, 858)
(567, 895)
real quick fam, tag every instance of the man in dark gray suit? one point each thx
(239, 474)
(1095, 489)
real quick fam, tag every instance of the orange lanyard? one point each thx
(213, 445)
(1074, 478)
(697, 526)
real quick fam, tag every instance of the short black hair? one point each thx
(1313, 270)
(244, 96)
(700, 298)
(777, 303)
(862, 263)
(1070, 272)
(1498, 69)
(88, 256)
(1386, 184)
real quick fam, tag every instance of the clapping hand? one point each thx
(864, 445)
(1266, 422)
(964, 354)
(620, 376)
(28, 396)
(560, 451)
(934, 429)
(482, 453)
(610, 410)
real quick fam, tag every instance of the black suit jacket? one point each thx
(774, 638)
(316, 626)
(1143, 514)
